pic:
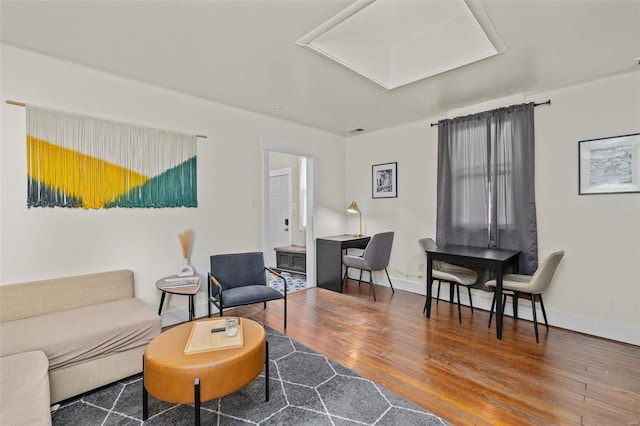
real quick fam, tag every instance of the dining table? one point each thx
(498, 260)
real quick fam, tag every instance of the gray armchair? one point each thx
(533, 285)
(375, 258)
(241, 279)
(453, 274)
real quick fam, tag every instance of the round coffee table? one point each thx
(171, 376)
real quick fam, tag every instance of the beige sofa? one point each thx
(91, 328)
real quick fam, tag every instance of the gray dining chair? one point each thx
(533, 285)
(374, 258)
(453, 274)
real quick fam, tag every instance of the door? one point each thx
(279, 212)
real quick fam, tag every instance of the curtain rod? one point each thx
(22, 104)
(548, 102)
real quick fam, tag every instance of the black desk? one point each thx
(329, 258)
(474, 256)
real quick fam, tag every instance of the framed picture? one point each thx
(609, 165)
(385, 180)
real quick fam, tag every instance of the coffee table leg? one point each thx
(266, 370)
(196, 399)
(145, 396)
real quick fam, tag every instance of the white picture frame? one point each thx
(609, 165)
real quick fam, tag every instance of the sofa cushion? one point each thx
(24, 389)
(76, 335)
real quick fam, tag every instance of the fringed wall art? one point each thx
(80, 161)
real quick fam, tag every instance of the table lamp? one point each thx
(353, 208)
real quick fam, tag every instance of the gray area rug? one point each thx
(306, 388)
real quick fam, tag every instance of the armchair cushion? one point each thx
(249, 294)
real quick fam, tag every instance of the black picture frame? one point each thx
(609, 165)
(384, 180)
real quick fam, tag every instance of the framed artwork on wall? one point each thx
(609, 165)
(384, 180)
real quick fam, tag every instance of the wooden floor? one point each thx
(461, 372)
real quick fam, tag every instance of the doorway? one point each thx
(278, 155)
(280, 212)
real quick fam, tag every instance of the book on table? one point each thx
(181, 282)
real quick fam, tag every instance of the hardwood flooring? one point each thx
(461, 372)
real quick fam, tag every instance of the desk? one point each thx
(329, 258)
(190, 291)
(474, 256)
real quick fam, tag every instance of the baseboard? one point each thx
(481, 299)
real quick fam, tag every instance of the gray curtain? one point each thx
(486, 194)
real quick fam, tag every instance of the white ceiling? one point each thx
(244, 53)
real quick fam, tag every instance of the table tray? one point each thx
(202, 339)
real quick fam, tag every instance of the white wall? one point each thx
(596, 289)
(41, 243)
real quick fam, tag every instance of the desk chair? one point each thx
(453, 274)
(534, 285)
(375, 258)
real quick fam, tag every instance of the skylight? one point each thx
(394, 43)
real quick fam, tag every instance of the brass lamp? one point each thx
(353, 208)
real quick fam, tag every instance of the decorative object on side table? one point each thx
(384, 180)
(185, 243)
(353, 208)
(609, 165)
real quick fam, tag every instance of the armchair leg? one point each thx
(470, 301)
(373, 288)
(459, 312)
(493, 306)
(390, 283)
(535, 319)
(544, 314)
(438, 296)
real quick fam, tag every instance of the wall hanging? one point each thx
(609, 165)
(384, 180)
(81, 161)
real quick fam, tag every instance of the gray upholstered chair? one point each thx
(241, 279)
(534, 285)
(374, 258)
(453, 274)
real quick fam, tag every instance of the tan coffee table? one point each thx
(171, 376)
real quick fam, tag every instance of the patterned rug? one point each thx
(306, 389)
(295, 282)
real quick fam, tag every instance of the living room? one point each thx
(596, 289)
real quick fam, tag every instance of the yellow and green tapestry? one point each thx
(80, 161)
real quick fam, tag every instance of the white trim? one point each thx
(482, 300)
(288, 148)
(271, 145)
